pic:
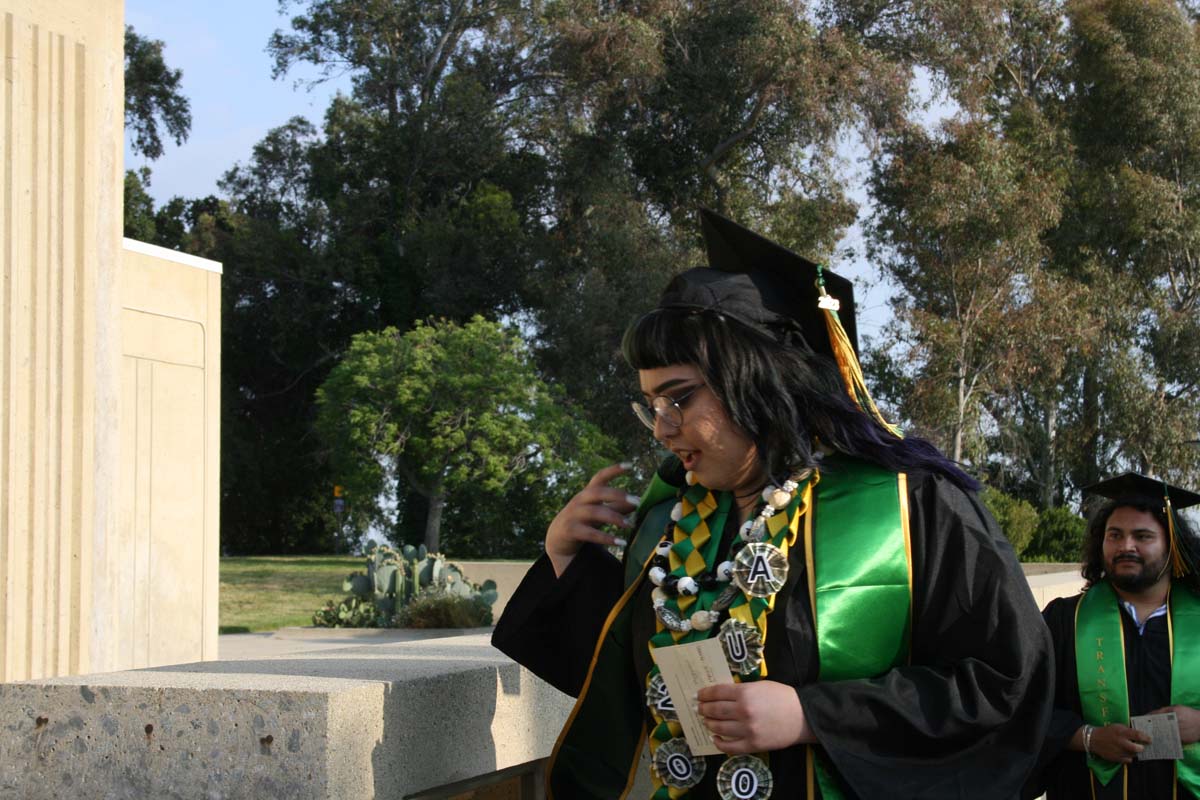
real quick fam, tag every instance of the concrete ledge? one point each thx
(1051, 585)
(383, 721)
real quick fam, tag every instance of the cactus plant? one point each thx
(396, 578)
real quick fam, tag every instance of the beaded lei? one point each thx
(690, 598)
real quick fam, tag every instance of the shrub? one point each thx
(1018, 519)
(1059, 535)
(352, 612)
(434, 608)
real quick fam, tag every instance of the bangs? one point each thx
(665, 337)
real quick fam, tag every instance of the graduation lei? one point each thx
(863, 604)
(1100, 668)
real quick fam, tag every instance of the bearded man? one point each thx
(1129, 645)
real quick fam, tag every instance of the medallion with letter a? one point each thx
(760, 569)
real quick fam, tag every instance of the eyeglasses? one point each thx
(668, 409)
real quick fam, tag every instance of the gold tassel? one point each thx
(1178, 566)
(847, 361)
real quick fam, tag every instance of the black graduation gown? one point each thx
(1065, 775)
(964, 720)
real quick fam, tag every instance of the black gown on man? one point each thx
(1065, 775)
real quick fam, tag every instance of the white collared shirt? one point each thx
(1141, 624)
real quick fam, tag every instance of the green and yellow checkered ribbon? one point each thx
(695, 550)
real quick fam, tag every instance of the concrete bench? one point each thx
(379, 720)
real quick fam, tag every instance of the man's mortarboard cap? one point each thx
(1131, 486)
(762, 283)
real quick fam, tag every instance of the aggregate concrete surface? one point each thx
(297, 714)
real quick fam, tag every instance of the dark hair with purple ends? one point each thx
(778, 391)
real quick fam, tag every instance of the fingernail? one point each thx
(626, 465)
(618, 541)
(633, 499)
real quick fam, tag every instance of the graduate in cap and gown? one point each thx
(881, 635)
(1129, 645)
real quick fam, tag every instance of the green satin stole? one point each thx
(859, 559)
(1100, 667)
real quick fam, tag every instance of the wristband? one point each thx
(1088, 730)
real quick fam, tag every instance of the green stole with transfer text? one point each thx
(1100, 668)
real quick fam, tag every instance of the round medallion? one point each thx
(760, 569)
(676, 766)
(659, 699)
(743, 646)
(744, 778)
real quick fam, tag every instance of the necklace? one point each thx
(690, 595)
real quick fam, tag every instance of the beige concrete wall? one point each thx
(61, 118)
(108, 375)
(164, 556)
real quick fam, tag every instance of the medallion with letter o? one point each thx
(676, 766)
(744, 778)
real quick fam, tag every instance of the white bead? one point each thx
(767, 492)
(790, 485)
(725, 571)
(658, 596)
(677, 512)
(702, 620)
(662, 548)
(745, 530)
(690, 477)
(687, 586)
(656, 575)
(780, 498)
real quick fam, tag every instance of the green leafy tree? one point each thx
(959, 222)
(153, 96)
(447, 410)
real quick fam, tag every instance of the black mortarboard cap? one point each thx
(1131, 485)
(760, 282)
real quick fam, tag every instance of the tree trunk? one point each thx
(960, 421)
(1090, 467)
(433, 522)
(1049, 478)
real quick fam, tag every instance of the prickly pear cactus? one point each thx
(393, 580)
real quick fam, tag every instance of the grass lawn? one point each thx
(263, 593)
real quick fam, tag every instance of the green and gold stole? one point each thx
(1103, 685)
(859, 561)
(858, 551)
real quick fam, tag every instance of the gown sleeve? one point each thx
(550, 626)
(966, 717)
(1052, 774)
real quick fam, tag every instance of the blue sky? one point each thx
(221, 47)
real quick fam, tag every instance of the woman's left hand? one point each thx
(754, 717)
